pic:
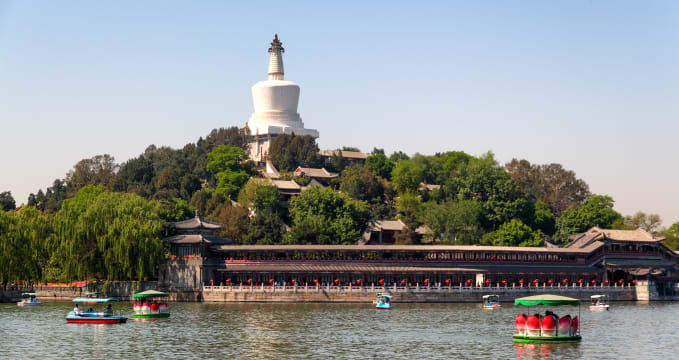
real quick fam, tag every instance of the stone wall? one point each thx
(123, 290)
(400, 294)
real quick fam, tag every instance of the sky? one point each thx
(592, 85)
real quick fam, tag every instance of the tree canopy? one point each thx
(597, 211)
(226, 163)
(324, 216)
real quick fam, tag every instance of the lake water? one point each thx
(334, 331)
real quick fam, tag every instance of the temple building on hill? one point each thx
(275, 101)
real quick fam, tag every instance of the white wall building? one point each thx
(275, 102)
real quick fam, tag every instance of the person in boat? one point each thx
(109, 311)
(76, 309)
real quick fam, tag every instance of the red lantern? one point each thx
(579, 281)
(565, 281)
(593, 281)
(535, 281)
(358, 281)
(521, 281)
(336, 281)
(212, 281)
(487, 282)
(381, 282)
(270, 281)
(293, 281)
(228, 281)
(620, 281)
(606, 282)
(447, 281)
(469, 281)
(249, 281)
(504, 282)
(549, 281)
(426, 281)
(634, 281)
(315, 281)
(403, 282)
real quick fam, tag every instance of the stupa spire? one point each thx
(276, 60)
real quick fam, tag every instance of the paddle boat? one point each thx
(146, 305)
(29, 299)
(598, 303)
(491, 302)
(79, 316)
(549, 327)
(383, 302)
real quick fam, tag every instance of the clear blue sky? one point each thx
(593, 85)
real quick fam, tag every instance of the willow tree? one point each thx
(24, 249)
(109, 236)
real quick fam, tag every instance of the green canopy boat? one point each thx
(548, 328)
(147, 305)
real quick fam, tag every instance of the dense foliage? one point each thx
(96, 234)
(105, 220)
(324, 216)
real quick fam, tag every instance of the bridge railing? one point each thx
(416, 288)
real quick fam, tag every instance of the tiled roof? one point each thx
(196, 223)
(596, 234)
(341, 268)
(198, 239)
(315, 173)
(391, 225)
(398, 248)
(345, 154)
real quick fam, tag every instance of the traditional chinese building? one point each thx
(190, 251)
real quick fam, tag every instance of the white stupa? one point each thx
(275, 103)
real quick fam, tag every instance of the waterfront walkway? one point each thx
(417, 293)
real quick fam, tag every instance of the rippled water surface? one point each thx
(332, 331)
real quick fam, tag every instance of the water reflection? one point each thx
(547, 351)
(329, 331)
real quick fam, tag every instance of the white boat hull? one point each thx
(21, 303)
(598, 307)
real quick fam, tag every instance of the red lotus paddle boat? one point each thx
(548, 327)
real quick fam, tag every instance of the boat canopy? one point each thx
(384, 295)
(31, 294)
(94, 300)
(490, 296)
(150, 293)
(598, 296)
(547, 299)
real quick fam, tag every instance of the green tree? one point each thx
(453, 222)
(671, 236)
(109, 236)
(266, 228)
(226, 164)
(7, 201)
(406, 176)
(398, 156)
(235, 221)
(514, 233)
(487, 182)
(361, 183)
(287, 152)
(597, 211)
(323, 216)
(380, 164)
